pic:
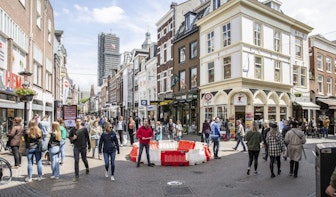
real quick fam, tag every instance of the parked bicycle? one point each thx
(5, 171)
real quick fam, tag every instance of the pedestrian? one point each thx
(326, 123)
(79, 137)
(64, 134)
(108, 145)
(284, 131)
(32, 138)
(331, 189)
(171, 129)
(264, 132)
(131, 126)
(206, 129)
(158, 131)
(95, 134)
(275, 147)
(144, 134)
(295, 138)
(227, 127)
(54, 149)
(121, 127)
(45, 127)
(179, 130)
(253, 138)
(215, 137)
(240, 133)
(14, 137)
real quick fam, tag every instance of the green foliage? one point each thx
(24, 91)
(84, 100)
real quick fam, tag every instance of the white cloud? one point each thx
(65, 11)
(105, 15)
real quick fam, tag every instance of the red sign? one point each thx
(13, 80)
(208, 96)
(66, 83)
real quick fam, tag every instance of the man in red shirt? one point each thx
(144, 134)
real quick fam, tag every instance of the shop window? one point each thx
(283, 113)
(272, 113)
(222, 112)
(259, 112)
(208, 112)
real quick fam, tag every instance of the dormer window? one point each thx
(189, 20)
(215, 4)
(274, 4)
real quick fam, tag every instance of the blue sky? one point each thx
(83, 20)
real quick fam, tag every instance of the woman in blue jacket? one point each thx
(109, 143)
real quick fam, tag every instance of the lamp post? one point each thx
(25, 85)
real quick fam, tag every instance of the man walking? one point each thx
(215, 137)
(121, 127)
(79, 137)
(240, 133)
(144, 134)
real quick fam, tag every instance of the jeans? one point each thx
(30, 153)
(147, 152)
(120, 132)
(216, 146)
(62, 150)
(253, 155)
(17, 155)
(54, 159)
(325, 132)
(227, 135)
(207, 138)
(240, 140)
(110, 157)
(82, 151)
(273, 158)
(131, 134)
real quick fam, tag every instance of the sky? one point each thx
(83, 20)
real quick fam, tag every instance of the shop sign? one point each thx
(144, 102)
(13, 81)
(240, 99)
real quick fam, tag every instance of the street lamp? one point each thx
(25, 85)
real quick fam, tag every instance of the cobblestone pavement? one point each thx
(223, 177)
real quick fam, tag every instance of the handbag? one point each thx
(43, 146)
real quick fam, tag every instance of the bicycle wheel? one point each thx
(5, 171)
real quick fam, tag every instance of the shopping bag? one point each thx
(22, 146)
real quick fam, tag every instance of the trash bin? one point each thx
(324, 166)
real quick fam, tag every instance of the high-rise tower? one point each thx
(108, 55)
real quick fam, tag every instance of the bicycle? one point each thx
(5, 171)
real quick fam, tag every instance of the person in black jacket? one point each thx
(79, 137)
(109, 143)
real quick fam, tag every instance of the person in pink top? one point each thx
(144, 134)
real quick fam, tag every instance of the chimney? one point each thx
(173, 5)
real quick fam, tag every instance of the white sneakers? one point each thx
(54, 177)
(106, 174)
(28, 179)
(39, 178)
(112, 178)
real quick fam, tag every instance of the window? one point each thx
(169, 79)
(226, 34)
(38, 13)
(328, 64)
(162, 83)
(211, 42)
(222, 112)
(211, 72)
(48, 81)
(227, 67)
(295, 75)
(329, 87)
(277, 71)
(215, 4)
(258, 68)
(299, 76)
(257, 34)
(335, 65)
(49, 30)
(319, 62)
(298, 47)
(193, 49)
(193, 78)
(303, 77)
(182, 54)
(37, 74)
(277, 41)
(182, 81)
(320, 84)
(208, 112)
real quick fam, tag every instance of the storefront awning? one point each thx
(165, 102)
(308, 105)
(330, 102)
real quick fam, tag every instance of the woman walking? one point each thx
(253, 139)
(158, 131)
(15, 137)
(32, 138)
(206, 129)
(131, 126)
(109, 143)
(95, 134)
(275, 147)
(54, 149)
(295, 138)
(179, 130)
(64, 136)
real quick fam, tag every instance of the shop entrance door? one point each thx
(240, 113)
